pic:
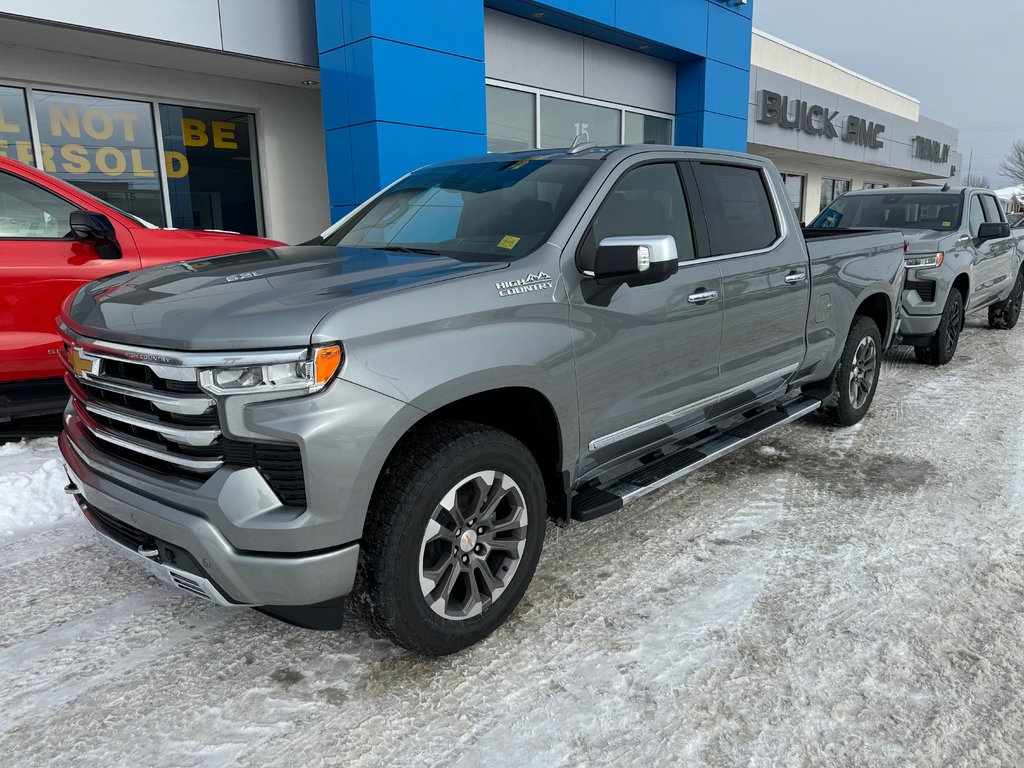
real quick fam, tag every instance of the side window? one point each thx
(28, 212)
(992, 211)
(976, 216)
(646, 201)
(738, 210)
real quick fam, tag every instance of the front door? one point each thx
(765, 281)
(40, 266)
(642, 353)
(995, 257)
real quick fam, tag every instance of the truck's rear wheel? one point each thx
(856, 377)
(1004, 315)
(452, 537)
(943, 343)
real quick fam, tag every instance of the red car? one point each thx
(54, 238)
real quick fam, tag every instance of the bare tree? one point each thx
(1013, 164)
(977, 180)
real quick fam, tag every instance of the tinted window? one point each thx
(737, 208)
(913, 210)
(29, 212)
(992, 211)
(484, 211)
(977, 216)
(646, 201)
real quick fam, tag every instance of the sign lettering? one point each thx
(800, 115)
(931, 150)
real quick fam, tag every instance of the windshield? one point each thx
(476, 211)
(907, 211)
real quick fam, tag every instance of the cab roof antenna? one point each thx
(578, 145)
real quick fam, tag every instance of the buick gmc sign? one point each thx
(799, 115)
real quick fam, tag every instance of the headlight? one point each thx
(927, 260)
(291, 378)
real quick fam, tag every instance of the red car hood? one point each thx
(160, 246)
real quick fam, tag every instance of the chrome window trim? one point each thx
(678, 413)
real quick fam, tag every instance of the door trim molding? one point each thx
(678, 413)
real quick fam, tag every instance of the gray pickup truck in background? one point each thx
(395, 409)
(961, 258)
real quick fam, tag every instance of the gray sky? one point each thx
(961, 59)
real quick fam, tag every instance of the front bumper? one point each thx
(918, 329)
(205, 563)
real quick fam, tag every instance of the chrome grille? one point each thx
(148, 414)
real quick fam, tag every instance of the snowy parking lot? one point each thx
(828, 597)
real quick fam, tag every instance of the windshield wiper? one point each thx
(406, 249)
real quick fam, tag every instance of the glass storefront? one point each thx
(210, 157)
(647, 129)
(795, 189)
(15, 133)
(207, 178)
(511, 120)
(833, 188)
(105, 146)
(521, 118)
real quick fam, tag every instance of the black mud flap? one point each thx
(329, 614)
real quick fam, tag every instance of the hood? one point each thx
(930, 241)
(255, 300)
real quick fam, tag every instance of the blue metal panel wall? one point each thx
(403, 80)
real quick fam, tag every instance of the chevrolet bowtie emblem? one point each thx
(79, 364)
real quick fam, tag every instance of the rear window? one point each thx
(739, 213)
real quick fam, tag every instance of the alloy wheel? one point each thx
(472, 545)
(862, 373)
(956, 317)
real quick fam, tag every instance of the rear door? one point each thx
(40, 265)
(765, 280)
(646, 354)
(995, 257)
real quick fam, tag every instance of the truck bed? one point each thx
(828, 243)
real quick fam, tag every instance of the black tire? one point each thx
(430, 463)
(943, 343)
(1004, 315)
(842, 407)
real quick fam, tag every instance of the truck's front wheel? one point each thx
(943, 343)
(452, 537)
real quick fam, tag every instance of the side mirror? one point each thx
(634, 260)
(993, 229)
(96, 230)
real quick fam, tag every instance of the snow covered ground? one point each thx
(830, 597)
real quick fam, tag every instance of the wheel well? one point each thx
(526, 415)
(877, 308)
(962, 284)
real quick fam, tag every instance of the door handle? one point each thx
(702, 297)
(793, 278)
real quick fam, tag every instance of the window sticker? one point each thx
(508, 242)
(947, 223)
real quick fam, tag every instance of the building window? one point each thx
(105, 146)
(15, 135)
(795, 188)
(874, 185)
(561, 121)
(211, 166)
(833, 188)
(647, 129)
(521, 118)
(511, 120)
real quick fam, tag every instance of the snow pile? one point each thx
(32, 484)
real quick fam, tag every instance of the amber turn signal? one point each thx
(326, 361)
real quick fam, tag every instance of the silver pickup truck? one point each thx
(395, 409)
(961, 258)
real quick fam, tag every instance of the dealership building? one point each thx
(275, 117)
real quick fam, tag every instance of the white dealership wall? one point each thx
(799, 74)
(289, 126)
